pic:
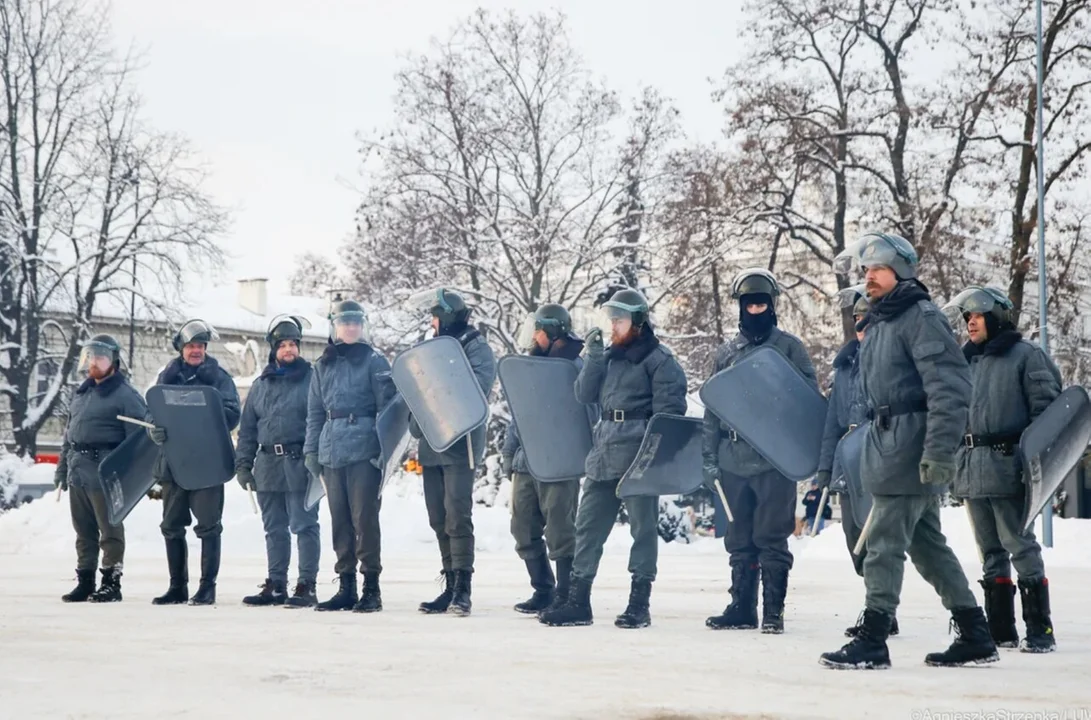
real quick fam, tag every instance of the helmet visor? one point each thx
(95, 355)
(970, 300)
(869, 251)
(847, 297)
(349, 327)
(524, 338)
(197, 331)
(753, 281)
(298, 320)
(428, 300)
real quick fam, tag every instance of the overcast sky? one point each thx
(273, 92)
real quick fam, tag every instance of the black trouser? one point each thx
(94, 531)
(180, 506)
(763, 508)
(448, 495)
(353, 496)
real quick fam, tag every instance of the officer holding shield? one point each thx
(544, 508)
(762, 501)
(1014, 381)
(350, 385)
(91, 433)
(193, 367)
(269, 460)
(636, 378)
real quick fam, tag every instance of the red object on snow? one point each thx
(47, 459)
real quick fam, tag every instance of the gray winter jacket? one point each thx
(93, 429)
(483, 362)
(641, 379)
(210, 374)
(274, 427)
(915, 376)
(737, 456)
(349, 385)
(847, 407)
(1013, 382)
(568, 349)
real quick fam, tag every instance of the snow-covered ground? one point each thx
(134, 660)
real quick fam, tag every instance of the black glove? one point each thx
(60, 477)
(377, 463)
(711, 474)
(937, 472)
(310, 461)
(593, 344)
(822, 479)
(505, 465)
(158, 434)
(245, 476)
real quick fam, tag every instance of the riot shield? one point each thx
(846, 468)
(392, 427)
(1052, 446)
(126, 475)
(554, 428)
(437, 383)
(766, 400)
(198, 449)
(669, 459)
(315, 492)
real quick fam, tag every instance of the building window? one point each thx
(46, 370)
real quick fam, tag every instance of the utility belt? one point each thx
(93, 450)
(882, 414)
(292, 450)
(1003, 444)
(623, 415)
(343, 415)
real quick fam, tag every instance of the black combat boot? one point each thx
(273, 592)
(345, 598)
(303, 596)
(85, 586)
(577, 611)
(460, 594)
(441, 603)
(850, 632)
(210, 570)
(564, 580)
(178, 565)
(1000, 611)
(110, 588)
(973, 644)
(742, 613)
(371, 599)
(543, 582)
(1035, 599)
(774, 587)
(636, 613)
(867, 650)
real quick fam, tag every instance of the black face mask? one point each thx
(757, 327)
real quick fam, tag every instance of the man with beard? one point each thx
(917, 385)
(349, 387)
(193, 367)
(544, 507)
(847, 409)
(449, 476)
(1014, 381)
(633, 380)
(269, 460)
(762, 501)
(92, 432)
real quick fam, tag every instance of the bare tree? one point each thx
(314, 276)
(90, 200)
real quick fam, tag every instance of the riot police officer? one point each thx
(762, 501)
(269, 459)
(1014, 381)
(193, 367)
(91, 433)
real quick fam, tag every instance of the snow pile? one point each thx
(15, 472)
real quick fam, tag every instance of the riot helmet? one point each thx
(756, 281)
(194, 331)
(998, 309)
(879, 250)
(850, 296)
(348, 323)
(286, 327)
(861, 307)
(627, 304)
(99, 350)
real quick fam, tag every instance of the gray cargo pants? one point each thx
(549, 508)
(353, 496)
(93, 530)
(910, 524)
(180, 506)
(283, 515)
(595, 519)
(764, 508)
(852, 530)
(998, 530)
(449, 497)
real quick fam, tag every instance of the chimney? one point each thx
(253, 296)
